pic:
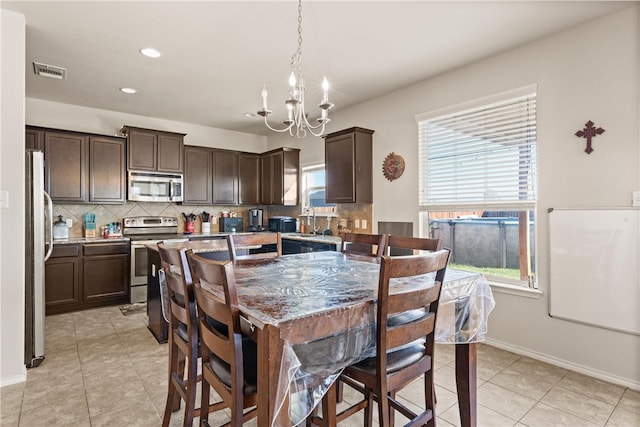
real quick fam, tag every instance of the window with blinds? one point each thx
(483, 156)
(477, 171)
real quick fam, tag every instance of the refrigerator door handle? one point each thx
(50, 209)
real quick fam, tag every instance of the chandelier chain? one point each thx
(296, 58)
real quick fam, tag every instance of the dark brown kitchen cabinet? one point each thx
(152, 150)
(66, 164)
(211, 176)
(170, 152)
(106, 272)
(197, 176)
(34, 139)
(62, 274)
(279, 170)
(348, 166)
(81, 276)
(249, 179)
(225, 177)
(81, 167)
(107, 170)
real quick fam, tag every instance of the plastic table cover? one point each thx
(336, 293)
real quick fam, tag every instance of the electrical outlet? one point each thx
(636, 198)
(356, 223)
(364, 223)
(214, 220)
(69, 222)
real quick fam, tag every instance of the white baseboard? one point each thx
(19, 378)
(625, 382)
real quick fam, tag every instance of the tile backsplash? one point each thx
(105, 214)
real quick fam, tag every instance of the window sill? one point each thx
(520, 291)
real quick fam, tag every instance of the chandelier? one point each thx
(297, 123)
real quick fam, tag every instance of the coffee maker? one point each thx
(255, 220)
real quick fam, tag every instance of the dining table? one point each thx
(313, 314)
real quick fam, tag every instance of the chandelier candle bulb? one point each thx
(325, 92)
(264, 98)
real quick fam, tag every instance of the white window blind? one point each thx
(483, 156)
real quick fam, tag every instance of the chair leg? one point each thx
(430, 396)
(190, 404)
(383, 409)
(329, 408)
(177, 399)
(368, 410)
(172, 393)
(204, 402)
(392, 412)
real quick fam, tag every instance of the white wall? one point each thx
(74, 117)
(12, 42)
(589, 72)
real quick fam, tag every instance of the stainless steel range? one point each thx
(145, 230)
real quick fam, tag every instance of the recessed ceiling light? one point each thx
(150, 52)
(127, 90)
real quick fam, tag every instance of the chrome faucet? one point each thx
(313, 210)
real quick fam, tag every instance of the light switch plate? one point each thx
(364, 223)
(636, 198)
(356, 223)
(4, 199)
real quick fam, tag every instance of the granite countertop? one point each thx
(317, 238)
(89, 240)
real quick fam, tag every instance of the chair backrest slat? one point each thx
(238, 241)
(412, 244)
(373, 245)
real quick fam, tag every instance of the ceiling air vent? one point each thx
(50, 71)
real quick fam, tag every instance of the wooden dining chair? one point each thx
(229, 360)
(404, 351)
(401, 245)
(370, 245)
(271, 241)
(183, 335)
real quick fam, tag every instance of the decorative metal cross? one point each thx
(589, 132)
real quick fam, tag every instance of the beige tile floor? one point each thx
(105, 369)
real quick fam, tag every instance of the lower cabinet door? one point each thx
(106, 277)
(62, 284)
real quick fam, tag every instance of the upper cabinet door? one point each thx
(249, 179)
(348, 166)
(107, 170)
(279, 177)
(34, 139)
(170, 152)
(225, 177)
(66, 160)
(197, 176)
(143, 150)
(152, 150)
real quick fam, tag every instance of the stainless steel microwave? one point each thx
(154, 187)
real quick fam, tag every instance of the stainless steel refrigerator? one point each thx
(38, 247)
